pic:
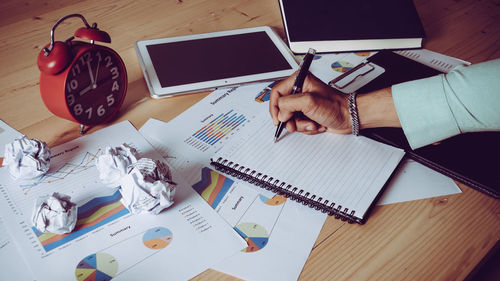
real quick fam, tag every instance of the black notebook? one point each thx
(342, 175)
(351, 25)
(468, 158)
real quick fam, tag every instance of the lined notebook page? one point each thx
(344, 169)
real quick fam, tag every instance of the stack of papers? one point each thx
(108, 241)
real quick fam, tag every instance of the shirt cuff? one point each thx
(423, 111)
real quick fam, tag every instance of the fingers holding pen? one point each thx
(279, 90)
(288, 108)
(296, 111)
(316, 109)
(288, 105)
(284, 88)
(304, 125)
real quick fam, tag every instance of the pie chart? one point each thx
(342, 66)
(363, 54)
(157, 238)
(255, 235)
(274, 201)
(263, 96)
(97, 267)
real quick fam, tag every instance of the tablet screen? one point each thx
(199, 60)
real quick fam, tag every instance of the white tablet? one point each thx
(194, 63)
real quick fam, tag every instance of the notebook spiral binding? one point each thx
(281, 188)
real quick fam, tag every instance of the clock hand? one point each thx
(94, 84)
(90, 73)
(86, 89)
(96, 73)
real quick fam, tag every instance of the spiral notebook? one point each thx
(342, 175)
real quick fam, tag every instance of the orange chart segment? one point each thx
(362, 54)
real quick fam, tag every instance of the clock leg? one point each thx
(83, 130)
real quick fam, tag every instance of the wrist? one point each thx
(376, 109)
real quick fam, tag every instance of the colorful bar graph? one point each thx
(265, 94)
(216, 130)
(212, 186)
(92, 215)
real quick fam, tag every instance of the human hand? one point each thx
(318, 108)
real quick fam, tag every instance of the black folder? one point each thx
(349, 25)
(471, 158)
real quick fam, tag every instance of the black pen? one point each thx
(297, 85)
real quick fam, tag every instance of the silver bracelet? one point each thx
(353, 111)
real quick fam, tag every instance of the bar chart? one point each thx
(216, 130)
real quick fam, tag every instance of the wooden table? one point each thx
(433, 239)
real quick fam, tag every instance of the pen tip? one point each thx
(275, 140)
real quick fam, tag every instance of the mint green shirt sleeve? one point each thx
(465, 100)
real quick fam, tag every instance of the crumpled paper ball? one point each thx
(112, 164)
(27, 158)
(55, 214)
(148, 187)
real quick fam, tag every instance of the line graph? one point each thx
(65, 170)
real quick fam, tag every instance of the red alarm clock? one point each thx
(82, 81)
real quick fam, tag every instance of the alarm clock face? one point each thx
(95, 86)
